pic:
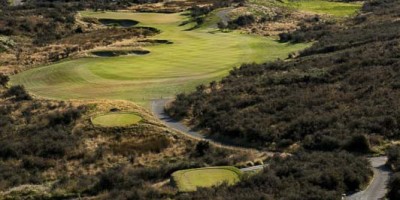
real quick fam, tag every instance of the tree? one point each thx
(19, 92)
(4, 80)
(394, 187)
(3, 4)
(393, 155)
(359, 143)
(202, 147)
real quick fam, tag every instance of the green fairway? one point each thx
(116, 119)
(193, 58)
(189, 180)
(338, 9)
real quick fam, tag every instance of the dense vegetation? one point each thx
(310, 29)
(44, 24)
(394, 163)
(35, 133)
(344, 86)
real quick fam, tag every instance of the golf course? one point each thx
(192, 57)
(200, 99)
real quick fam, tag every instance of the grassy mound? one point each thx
(116, 119)
(189, 180)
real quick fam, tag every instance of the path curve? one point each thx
(378, 187)
(157, 107)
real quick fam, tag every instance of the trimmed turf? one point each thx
(116, 119)
(189, 180)
(338, 9)
(193, 58)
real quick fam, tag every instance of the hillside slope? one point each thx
(50, 150)
(345, 85)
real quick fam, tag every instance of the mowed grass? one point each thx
(189, 180)
(116, 119)
(195, 57)
(338, 9)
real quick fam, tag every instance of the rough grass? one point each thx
(116, 119)
(195, 57)
(191, 179)
(338, 9)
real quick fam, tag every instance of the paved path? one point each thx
(253, 168)
(157, 107)
(377, 189)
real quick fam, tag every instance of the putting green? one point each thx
(194, 57)
(189, 180)
(116, 119)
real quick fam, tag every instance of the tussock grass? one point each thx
(116, 119)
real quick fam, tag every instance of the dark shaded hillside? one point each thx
(345, 85)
